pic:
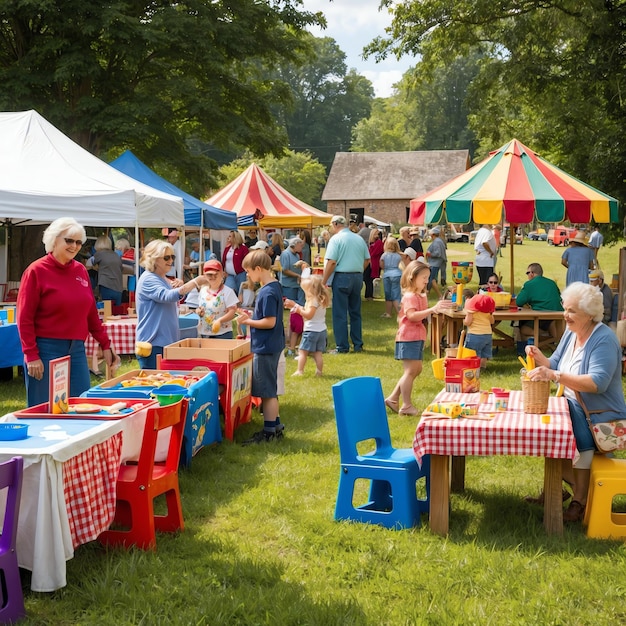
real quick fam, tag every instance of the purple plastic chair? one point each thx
(12, 608)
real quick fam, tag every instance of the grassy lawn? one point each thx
(261, 546)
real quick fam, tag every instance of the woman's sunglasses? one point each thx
(169, 257)
(492, 282)
(71, 242)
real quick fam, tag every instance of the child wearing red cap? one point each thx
(217, 304)
(478, 319)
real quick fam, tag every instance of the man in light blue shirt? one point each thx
(346, 257)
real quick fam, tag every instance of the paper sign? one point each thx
(59, 371)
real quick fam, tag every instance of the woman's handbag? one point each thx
(609, 436)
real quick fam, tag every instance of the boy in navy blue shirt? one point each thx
(267, 336)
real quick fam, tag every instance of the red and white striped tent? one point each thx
(254, 192)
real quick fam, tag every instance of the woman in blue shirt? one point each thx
(588, 363)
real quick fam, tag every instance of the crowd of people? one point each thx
(256, 280)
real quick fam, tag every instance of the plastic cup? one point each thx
(501, 400)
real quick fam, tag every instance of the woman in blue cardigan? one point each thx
(588, 360)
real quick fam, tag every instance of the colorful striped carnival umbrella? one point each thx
(516, 185)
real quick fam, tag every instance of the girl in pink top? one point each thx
(412, 333)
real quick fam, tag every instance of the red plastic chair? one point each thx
(12, 607)
(139, 484)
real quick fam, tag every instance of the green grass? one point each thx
(261, 546)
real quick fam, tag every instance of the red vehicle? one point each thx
(561, 236)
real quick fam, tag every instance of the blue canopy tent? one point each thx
(197, 213)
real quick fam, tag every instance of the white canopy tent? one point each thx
(45, 175)
(372, 220)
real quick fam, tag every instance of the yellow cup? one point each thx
(438, 370)
(11, 315)
(545, 419)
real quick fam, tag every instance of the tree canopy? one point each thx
(551, 74)
(154, 77)
(328, 100)
(428, 111)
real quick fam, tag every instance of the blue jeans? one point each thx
(293, 293)
(392, 288)
(150, 362)
(38, 391)
(582, 433)
(347, 304)
(234, 281)
(110, 294)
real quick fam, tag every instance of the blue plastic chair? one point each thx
(11, 595)
(393, 473)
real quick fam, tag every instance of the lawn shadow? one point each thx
(216, 584)
(506, 521)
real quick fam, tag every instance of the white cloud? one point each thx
(353, 24)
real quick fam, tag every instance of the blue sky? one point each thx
(353, 24)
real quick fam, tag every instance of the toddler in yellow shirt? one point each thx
(478, 319)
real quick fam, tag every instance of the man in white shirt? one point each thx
(595, 242)
(485, 247)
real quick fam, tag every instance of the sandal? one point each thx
(392, 404)
(386, 315)
(574, 512)
(540, 499)
(409, 410)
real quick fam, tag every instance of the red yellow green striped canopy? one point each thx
(515, 184)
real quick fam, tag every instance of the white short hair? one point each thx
(61, 227)
(588, 297)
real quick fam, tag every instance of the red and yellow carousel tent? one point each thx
(253, 192)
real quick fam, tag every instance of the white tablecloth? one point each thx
(44, 539)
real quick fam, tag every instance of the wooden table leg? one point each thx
(435, 335)
(439, 493)
(553, 490)
(457, 482)
(536, 331)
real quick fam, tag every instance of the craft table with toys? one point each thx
(231, 360)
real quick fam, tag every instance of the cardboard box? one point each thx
(219, 350)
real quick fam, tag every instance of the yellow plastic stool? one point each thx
(608, 479)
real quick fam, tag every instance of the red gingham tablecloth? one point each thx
(89, 481)
(121, 334)
(510, 432)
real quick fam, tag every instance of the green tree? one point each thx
(152, 77)
(298, 172)
(552, 74)
(428, 111)
(328, 100)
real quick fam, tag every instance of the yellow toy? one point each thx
(451, 409)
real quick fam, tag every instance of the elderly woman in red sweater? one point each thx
(56, 310)
(232, 260)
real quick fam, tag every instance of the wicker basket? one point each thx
(536, 395)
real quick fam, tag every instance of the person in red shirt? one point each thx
(56, 310)
(232, 260)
